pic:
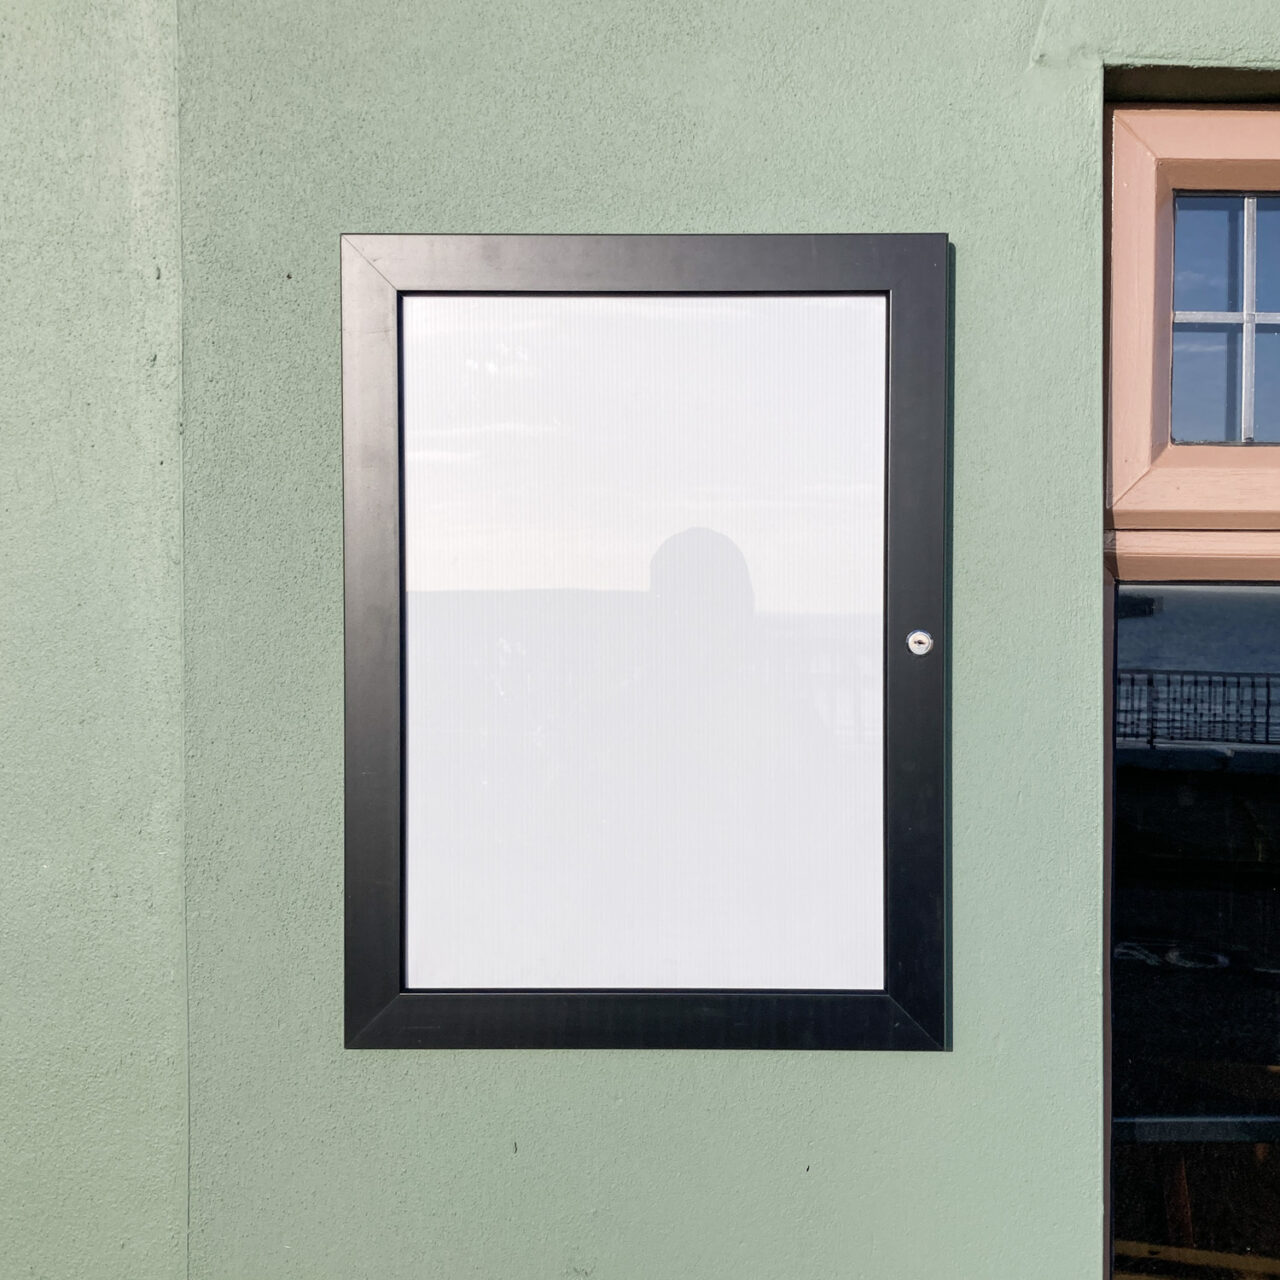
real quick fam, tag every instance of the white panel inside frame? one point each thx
(643, 616)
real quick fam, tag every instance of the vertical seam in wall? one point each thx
(182, 618)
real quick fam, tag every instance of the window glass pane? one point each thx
(1196, 926)
(1206, 383)
(1266, 394)
(1208, 234)
(1268, 296)
(1197, 1209)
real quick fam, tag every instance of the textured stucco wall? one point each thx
(137, 610)
(300, 121)
(93, 1117)
(983, 120)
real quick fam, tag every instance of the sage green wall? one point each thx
(93, 1114)
(300, 121)
(173, 652)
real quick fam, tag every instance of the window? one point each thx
(1193, 535)
(1195, 959)
(1226, 319)
(1165, 479)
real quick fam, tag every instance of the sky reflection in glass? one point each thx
(1269, 253)
(1226, 321)
(1266, 396)
(1206, 383)
(1207, 274)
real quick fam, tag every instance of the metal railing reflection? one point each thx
(1154, 707)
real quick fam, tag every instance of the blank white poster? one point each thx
(644, 578)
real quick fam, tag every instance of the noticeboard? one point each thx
(645, 640)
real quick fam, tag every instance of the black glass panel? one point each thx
(1196, 927)
(1197, 1211)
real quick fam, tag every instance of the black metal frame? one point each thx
(912, 1012)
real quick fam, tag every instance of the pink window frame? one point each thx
(1177, 511)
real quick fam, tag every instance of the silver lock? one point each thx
(919, 642)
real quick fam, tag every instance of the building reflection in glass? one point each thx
(1196, 930)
